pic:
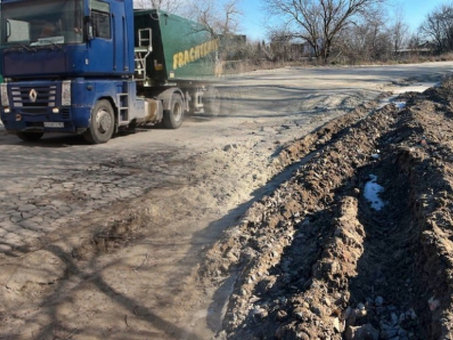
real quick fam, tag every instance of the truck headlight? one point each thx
(66, 93)
(4, 94)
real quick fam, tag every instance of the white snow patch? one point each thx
(376, 154)
(372, 191)
(400, 104)
(418, 87)
(391, 100)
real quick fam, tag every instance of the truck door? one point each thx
(101, 52)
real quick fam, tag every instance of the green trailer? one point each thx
(180, 49)
(175, 56)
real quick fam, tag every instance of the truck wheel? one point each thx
(30, 136)
(173, 118)
(212, 102)
(102, 123)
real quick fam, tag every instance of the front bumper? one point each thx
(67, 120)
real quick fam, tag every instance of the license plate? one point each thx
(54, 124)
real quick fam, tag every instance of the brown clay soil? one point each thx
(315, 260)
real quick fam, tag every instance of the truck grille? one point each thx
(36, 96)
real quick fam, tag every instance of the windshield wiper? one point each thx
(24, 47)
(51, 42)
(28, 48)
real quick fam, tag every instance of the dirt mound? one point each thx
(358, 243)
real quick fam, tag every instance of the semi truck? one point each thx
(93, 67)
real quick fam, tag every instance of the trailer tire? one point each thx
(102, 123)
(212, 102)
(174, 117)
(30, 136)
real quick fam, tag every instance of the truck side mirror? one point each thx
(89, 29)
(8, 28)
(90, 32)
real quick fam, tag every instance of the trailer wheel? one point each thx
(212, 102)
(30, 136)
(102, 123)
(174, 117)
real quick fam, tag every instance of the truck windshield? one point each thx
(44, 22)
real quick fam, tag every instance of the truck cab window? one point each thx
(40, 23)
(101, 24)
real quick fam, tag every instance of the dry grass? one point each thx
(244, 66)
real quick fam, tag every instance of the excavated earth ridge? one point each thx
(316, 260)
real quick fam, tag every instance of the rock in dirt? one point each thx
(365, 332)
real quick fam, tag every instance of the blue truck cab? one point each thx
(71, 66)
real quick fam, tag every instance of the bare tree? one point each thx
(172, 6)
(377, 40)
(319, 21)
(218, 19)
(438, 27)
(367, 39)
(221, 20)
(398, 30)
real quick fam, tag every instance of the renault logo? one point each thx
(33, 95)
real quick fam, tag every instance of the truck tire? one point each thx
(174, 117)
(211, 102)
(30, 136)
(102, 123)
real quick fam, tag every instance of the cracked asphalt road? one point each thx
(50, 183)
(210, 167)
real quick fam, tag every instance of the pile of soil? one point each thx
(320, 258)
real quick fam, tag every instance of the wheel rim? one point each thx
(177, 111)
(104, 121)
